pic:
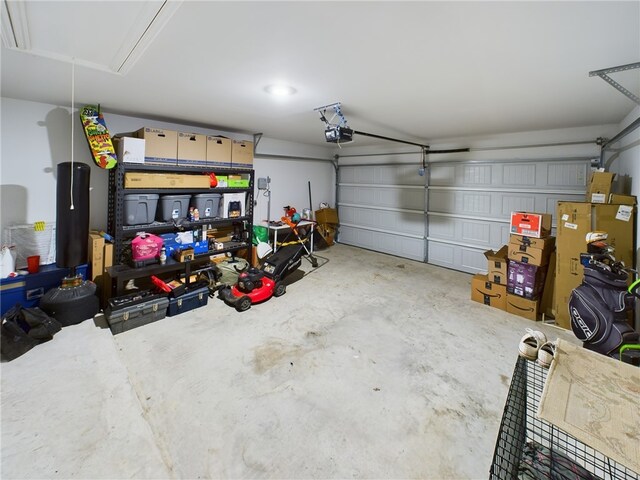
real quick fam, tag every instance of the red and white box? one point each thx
(526, 224)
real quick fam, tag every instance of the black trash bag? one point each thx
(14, 340)
(24, 328)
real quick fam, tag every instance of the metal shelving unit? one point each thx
(123, 234)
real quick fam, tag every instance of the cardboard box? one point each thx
(523, 253)
(525, 280)
(537, 225)
(497, 265)
(96, 255)
(546, 300)
(161, 145)
(523, 307)
(575, 220)
(599, 187)
(488, 293)
(242, 154)
(532, 241)
(218, 151)
(165, 180)
(238, 181)
(229, 201)
(130, 149)
(327, 215)
(328, 233)
(192, 149)
(618, 199)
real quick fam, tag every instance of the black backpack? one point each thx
(599, 308)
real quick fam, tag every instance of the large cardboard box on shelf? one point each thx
(599, 187)
(96, 255)
(497, 265)
(575, 220)
(242, 154)
(520, 252)
(164, 180)
(160, 146)
(192, 149)
(218, 151)
(487, 292)
(530, 224)
(523, 307)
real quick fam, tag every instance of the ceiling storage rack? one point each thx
(122, 271)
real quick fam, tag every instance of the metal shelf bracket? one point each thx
(603, 75)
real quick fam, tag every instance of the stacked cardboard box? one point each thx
(575, 220)
(491, 288)
(327, 220)
(100, 259)
(530, 247)
(160, 146)
(516, 273)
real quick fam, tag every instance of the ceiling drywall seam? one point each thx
(15, 28)
(135, 45)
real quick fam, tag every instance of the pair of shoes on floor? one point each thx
(535, 347)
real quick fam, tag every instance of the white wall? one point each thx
(36, 137)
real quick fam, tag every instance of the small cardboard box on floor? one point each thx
(575, 220)
(487, 292)
(523, 307)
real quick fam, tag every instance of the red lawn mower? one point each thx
(256, 285)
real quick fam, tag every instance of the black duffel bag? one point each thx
(24, 328)
(598, 310)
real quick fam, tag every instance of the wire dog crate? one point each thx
(528, 447)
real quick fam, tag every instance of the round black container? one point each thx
(71, 305)
(72, 225)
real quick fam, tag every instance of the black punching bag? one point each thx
(72, 214)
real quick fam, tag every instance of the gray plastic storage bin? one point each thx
(140, 209)
(173, 207)
(208, 204)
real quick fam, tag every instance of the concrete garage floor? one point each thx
(370, 366)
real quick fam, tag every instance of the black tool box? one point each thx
(197, 295)
(134, 310)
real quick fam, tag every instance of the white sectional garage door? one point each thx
(470, 204)
(463, 211)
(381, 208)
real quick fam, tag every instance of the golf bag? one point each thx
(599, 307)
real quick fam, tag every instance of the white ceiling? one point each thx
(414, 70)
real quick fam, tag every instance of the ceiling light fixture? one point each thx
(280, 90)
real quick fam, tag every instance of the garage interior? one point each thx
(376, 363)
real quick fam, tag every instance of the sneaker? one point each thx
(546, 354)
(530, 343)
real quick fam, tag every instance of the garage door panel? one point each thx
(393, 244)
(568, 175)
(518, 175)
(517, 203)
(483, 234)
(409, 223)
(469, 206)
(457, 257)
(386, 197)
